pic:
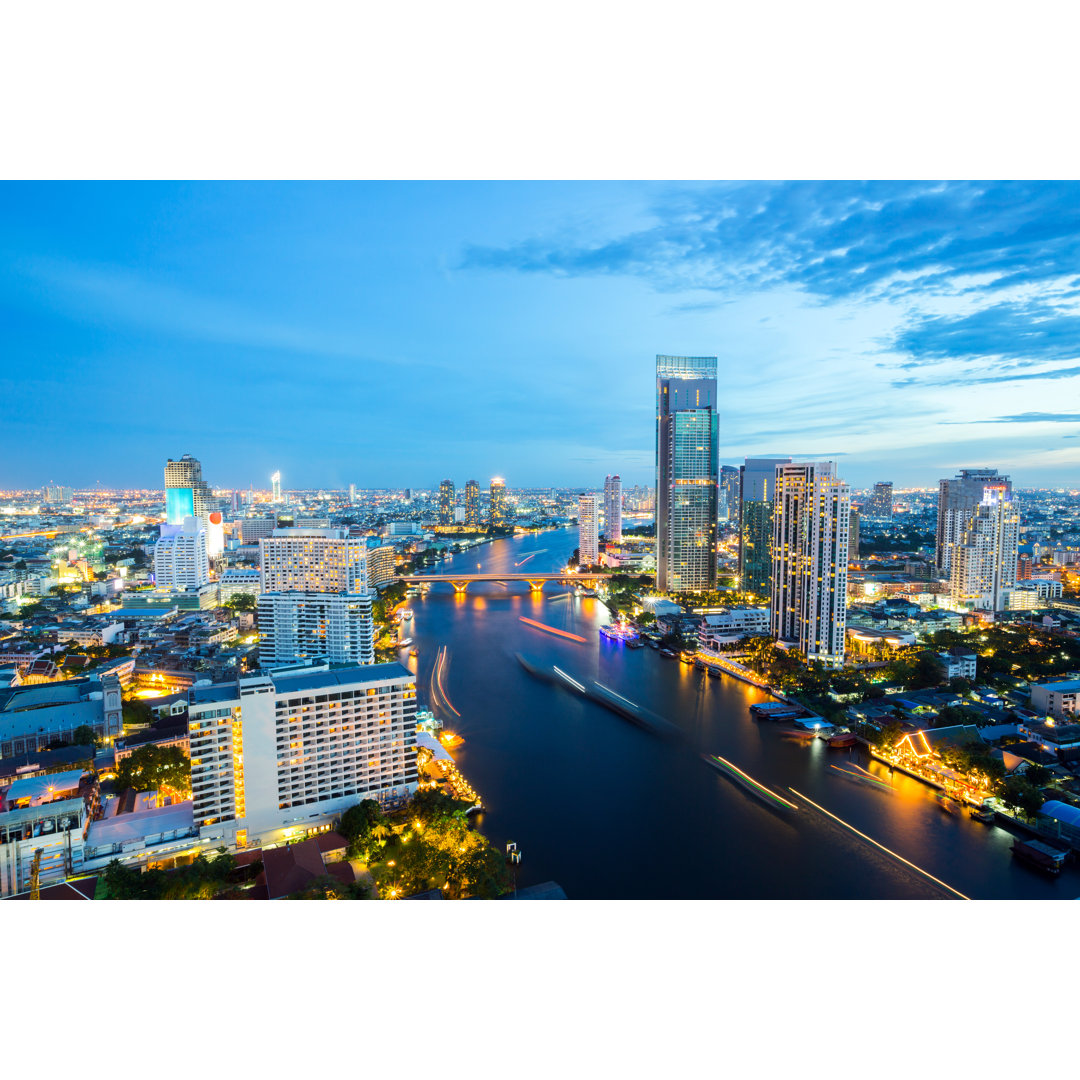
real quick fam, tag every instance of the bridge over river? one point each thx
(536, 580)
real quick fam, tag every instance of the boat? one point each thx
(404, 643)
(983, 814)
(776, 710)
(636, 643)
(669, 653)
(713, 671)
(1040, 855)
(842, 740)
(947, 802)
(451, 739)
(413, 652)
(654, 644)
(699, 664)
(406, 614)
(686, 656)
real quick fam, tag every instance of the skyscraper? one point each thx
(498, 502)
(879, 504)
(808, 608)
(181, 560)
(446, 502)
(853, 536)
(757, 495)
(313, 560)
(588, 530)
(472, 503)
(958, 499)
(729, 494)
(687, 466)
(983, 561)
(612, 509)
(186, 493)
(352, 494)
(275, 483)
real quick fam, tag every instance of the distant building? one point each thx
(57, 496)
(1058, 699)
(730, 625)
(239, 579)
(275, 757)
(959, 663)
(588, 530)
(472, 503)
(958, 500)
(810, 558)
(983, 556)
(853, 536)
(446, 502)
(380, 566)
(304, 627)
(313, 560)
(880, 503)
(181, 559)
(729, 495)
(687, 473)
(186, 493)
(757, 498)
(499, 512)
(275, 483)
(612, 509)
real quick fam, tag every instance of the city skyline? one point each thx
(906, 330)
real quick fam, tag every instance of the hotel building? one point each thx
(588, 530)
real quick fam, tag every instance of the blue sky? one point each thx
(394, 334)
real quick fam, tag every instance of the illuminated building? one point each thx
(472, 503)
(181, 559)
(853, 536)
(983, 558)
(588, 530)
(34, 716)
(687, 464)
(612, 509)
(186, 493)
(57, 496)
(252, 529)
(302, 627)
(275, 483)
(313, 560)
(879, 505)
(446, 502)
(276, 755)
(352, 494)
(498, 502)
(757, 491)
(958, 499)
(380, 566)
(729, 494)
(808, 604)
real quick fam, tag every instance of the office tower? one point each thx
(56, 495)
(879, 505)
(275, 483)
(186, 493)
(352, 494)
(380, 566)
(983, 561)
(313, 560)
(958, 500)
(588, 530)
(472, 503)
(498, 502)
(446, 502)
(729, 494)
(181, 560)
(273, 756)
(612, 509)
(808, 607)
(303, 627)
(853, 536)
(236, 501)
(687, 467)
(757, 492)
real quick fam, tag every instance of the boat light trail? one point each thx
(552, 630)
(759, 788)
(888, 851)
(437, 680)
(531, 555)
(866, 777)
(559, 671)
(619, 696)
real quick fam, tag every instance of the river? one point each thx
(610, 811)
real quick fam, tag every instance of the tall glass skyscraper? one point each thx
(687, 473)
(446, 502)
(472, 503)
(612, 509)
(757, 494)
(499, 513)
(186, 493)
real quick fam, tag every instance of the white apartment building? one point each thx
(380, 566)
(727, 626)
(277, 755)
(181, 560)
(958, 501)
(313, 560)
(588, 530)
(983, 561)
(613, 509)
(1057, 699)
(812, 515)
(298, 627)
(239, 579)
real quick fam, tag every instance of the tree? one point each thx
(363, 826)
(84, 735)
(241, 601)
(137, 713)
(160, 768)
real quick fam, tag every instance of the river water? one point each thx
(610, 811)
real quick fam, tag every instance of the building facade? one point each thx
(588, 530)
(181, 558)
(446, 502)
(757, 496)
(186, 493)
(499, 512)
(879, 505)
(613, 509)
(729, 495)
(472, 503)
(958, 500)
(275, 756)
(810, 557)
(983, 559)
(313, 560)
(687, 473)
(304, 627)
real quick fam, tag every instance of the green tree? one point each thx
(363, 826)
(241, 601)
(84, 735)
(156, 768)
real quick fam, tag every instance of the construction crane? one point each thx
(35, 875)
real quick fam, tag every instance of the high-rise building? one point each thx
(273, 756)
(853, 536)
(729, 495)
(499, 513)
(612, 509)
(56, 495)
(757, 496)
(303, 627)
(808, 606)
(181, 560)
(380, 566)
(313, 560)
(983, 561)
(472, 503)
(588, 530)
(352, 494)
(186, 493)
(687, 467)
(958, 499)
(275, 483)
(446, 502)
(879, 505)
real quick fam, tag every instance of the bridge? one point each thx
(536, 581)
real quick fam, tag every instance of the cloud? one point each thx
(973, 379)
